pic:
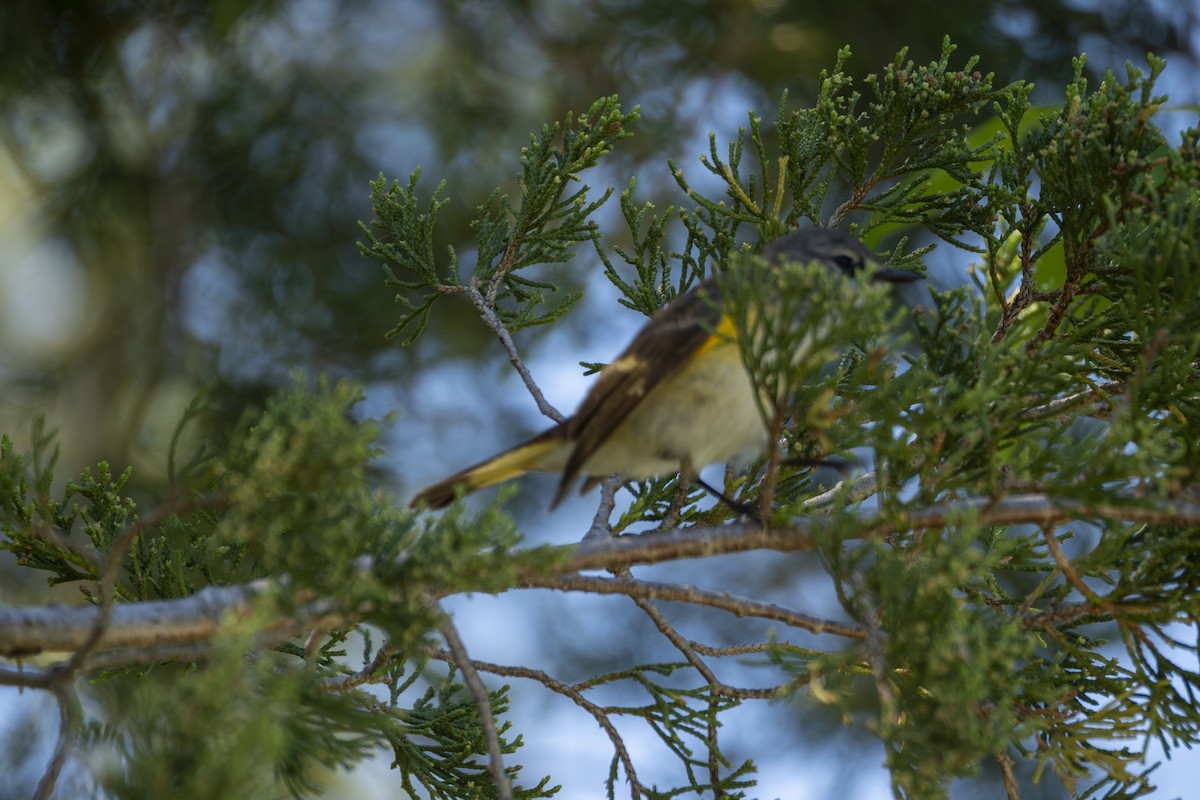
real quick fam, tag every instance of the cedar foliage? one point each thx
(1065, 369)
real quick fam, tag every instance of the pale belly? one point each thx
(706, 414)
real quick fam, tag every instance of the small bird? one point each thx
(676, 400)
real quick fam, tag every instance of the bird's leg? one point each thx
(690, 476)
(671, 518)
(734, 505)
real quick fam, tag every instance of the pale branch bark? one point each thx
(483, 707)
(1101, 395)
(153, 623)
(856, 491)
(798, 535)
(164, 623)
(601, 527)
(486, 310)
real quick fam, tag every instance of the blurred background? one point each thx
(180, 185)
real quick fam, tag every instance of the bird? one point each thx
(676, 400)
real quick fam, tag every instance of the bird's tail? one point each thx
(546, 452)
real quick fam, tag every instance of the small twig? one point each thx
(1069, 572)
(1062, 613)
(483, 707)
(856, 198)
(681, 644)
(715, 686)
(601, 527)
(686, 647)
(766, 492)
(67, 721)
(671, 519)
(489, 317)
(649, 590)
(1025, 294)
(570, 692)
(860, 489)
(733, 650)
(1100, 394)
(1006, 773)
(714, 755)
(1062, 304)
(117, 550)
(876, 649)
(365, 675)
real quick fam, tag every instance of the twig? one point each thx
(1025, 294)
(1062, 613)
(671, 518)
(649, 590)
(601, 527)
(1006, 773)
(798, 535)
(718, 687)
(876, 651)
(1068, 570)
(681, 644)
(483, 707)
(570, 692)
(488, 315)
(365, 675)
(67, 721)
(1100, 394)
(766, 491)
(733, 650)
(860, 489)
(117, 550)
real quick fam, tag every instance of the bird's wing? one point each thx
(668, 342)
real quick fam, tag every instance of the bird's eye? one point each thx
(846, 263)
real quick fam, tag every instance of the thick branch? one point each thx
(799, 535)
(57, 628)
(28, 631)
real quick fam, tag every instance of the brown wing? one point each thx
(663, 346)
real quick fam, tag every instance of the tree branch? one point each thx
(188, 620)
(489, 317)
(483, 707)
(640, 590)
(568, 691)
(68, 718)
(799, 535)
(153, 623)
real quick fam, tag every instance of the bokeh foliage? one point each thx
(979, 641)
(278, 184)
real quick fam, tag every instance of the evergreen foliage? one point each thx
(1066, 374)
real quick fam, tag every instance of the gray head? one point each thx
(835, 249)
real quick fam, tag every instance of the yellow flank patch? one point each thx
(724, 334)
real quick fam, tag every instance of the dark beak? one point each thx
(895, 276)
